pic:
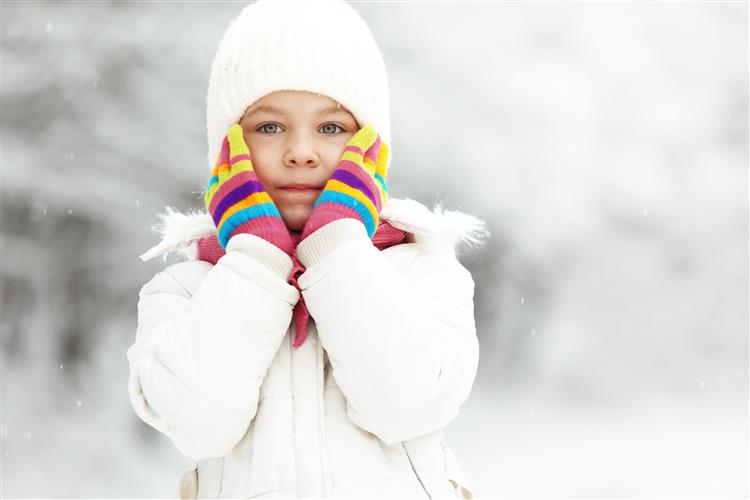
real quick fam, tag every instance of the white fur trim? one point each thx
(439, 229)
(179, 232)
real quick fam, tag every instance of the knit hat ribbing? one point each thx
(321, 46)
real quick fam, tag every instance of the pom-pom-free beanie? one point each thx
(321, 46)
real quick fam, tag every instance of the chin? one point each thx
(295, 220)
(296, 226)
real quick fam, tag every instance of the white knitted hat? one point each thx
(321, 46)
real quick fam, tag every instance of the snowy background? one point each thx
(606, 146)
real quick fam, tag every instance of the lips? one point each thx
(301, 187)
(301, 191)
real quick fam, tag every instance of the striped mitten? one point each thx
(238, 202)
(357, 188)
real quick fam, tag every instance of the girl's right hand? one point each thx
(236, 199)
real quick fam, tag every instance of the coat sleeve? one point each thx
(205, 338)
(401, 338)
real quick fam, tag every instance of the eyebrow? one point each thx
(276, 111)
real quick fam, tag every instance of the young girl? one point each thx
(320, 333)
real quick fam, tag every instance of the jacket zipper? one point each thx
(415, 471)
(320, 397)
(221, 476)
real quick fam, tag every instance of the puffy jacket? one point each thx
(358, 409)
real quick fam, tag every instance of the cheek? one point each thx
(333, 155)
(262, 159)
(258, 152)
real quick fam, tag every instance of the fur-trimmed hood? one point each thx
(438, 228)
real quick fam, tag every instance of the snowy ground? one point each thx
(529, 447)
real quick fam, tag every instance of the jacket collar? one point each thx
(438, 229)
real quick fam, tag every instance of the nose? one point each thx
(301, 152)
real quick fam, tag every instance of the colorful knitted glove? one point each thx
(238, 202)
(358, 187)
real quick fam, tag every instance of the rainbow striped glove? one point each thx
(357, 188)
(238, 202)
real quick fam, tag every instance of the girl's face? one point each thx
(296, 137)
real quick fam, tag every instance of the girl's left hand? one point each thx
(358, 187)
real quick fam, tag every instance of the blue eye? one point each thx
(266, 125)
(332, 125)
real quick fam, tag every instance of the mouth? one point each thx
(300, 190)
(300, 187)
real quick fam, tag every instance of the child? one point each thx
(314, 343)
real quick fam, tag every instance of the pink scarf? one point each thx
(385, 236)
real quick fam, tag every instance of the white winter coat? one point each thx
(357, 410)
